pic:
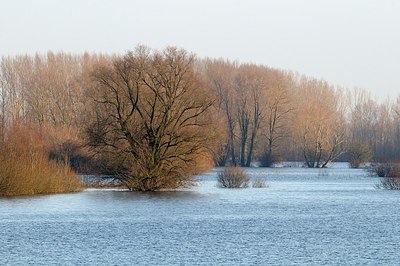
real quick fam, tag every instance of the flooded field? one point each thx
(306, 216)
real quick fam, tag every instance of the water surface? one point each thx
(306, 216)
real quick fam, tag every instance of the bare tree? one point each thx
(375, 124)
(278, 108)
(252, 92)
(151, 118)
(247, 95)
(220, 76)
(13, 107)
(320, 125)
(243, 112)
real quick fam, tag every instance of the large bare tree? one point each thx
(152, 119)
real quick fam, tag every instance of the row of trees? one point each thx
(272, 115)
(154, 118)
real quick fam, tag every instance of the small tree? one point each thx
(359, 153)
(233, 177)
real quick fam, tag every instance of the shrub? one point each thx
(359, 153)
(259, 183)
(25, 168)
(389, 183)
(385, 169)
(268, 160)
(233, 177)
(389, 173)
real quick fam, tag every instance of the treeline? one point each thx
(148, 113)
(272, 115)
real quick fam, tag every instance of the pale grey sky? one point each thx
(353, 43)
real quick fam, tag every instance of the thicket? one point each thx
(389, 172)
(391, 183)
(25, 167)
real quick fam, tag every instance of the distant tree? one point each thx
(396, 126)
(376, 124)
(250, 87)
(152, 118)
(278, 108)
(220, 77)
(255, 101)
(359, 153)
(12, 92)
(320, 126)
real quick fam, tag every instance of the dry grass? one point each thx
(25, 168)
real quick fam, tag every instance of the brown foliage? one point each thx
(259, 112)
(25, 168)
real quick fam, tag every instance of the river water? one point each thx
(305, 216)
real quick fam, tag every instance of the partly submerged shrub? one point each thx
(389, 173)
(389, 183)
(268, 160)
(233, 177)
(359, 153)
(385, 169)
(259, 183)
(25, 167)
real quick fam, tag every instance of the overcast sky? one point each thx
(353, 43)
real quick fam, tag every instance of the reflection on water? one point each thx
(159, 195)
(304, 217)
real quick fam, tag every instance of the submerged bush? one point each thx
(233, 177)
(389, 183)
(25, 167)
(359, 153)
(385, 169)
(389, 173)
(259, 183)
(268, 160)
